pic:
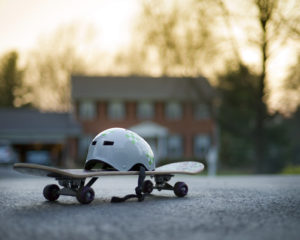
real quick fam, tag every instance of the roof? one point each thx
(138, 87)
(20, 124)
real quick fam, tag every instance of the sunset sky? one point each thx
(22, 23)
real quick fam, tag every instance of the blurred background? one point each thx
(213, 81)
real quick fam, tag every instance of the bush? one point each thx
(291, 169)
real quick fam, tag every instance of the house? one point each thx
(171, 113)
(40, 137)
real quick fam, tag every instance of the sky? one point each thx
(22, 22)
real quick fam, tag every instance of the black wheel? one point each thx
(147, 186)
(180, 189)
(85, 195)
(51, 192)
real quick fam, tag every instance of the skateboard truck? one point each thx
(71, 187)
(161, 183)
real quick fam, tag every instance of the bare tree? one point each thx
(53, 61)
(173, 38)
(272, 30)
(276, 23)
(265, 13)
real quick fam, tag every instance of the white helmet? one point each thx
(120, 149)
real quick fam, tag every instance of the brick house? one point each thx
(168, 112)
(40, 137)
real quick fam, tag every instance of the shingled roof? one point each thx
(138, 87)
(18, 124)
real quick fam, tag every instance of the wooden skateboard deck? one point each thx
(41, 170)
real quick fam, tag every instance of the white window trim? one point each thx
(204, 114)
(169, 115)
(148, 115)
(111, 112)
(90, 111)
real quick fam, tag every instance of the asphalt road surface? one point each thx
(245, 207)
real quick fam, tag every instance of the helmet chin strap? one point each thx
(138, 190)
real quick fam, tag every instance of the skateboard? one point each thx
(73, 181)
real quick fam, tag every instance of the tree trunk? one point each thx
(261, 113)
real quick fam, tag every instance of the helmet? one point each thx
(120, 149)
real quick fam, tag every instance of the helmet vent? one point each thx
(108, 143)
(94, 142)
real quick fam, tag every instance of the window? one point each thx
(116, 110)
(175, 146)
(145, 110)
(173, 111)
(201, 145)
(201, 111)
(87, 110)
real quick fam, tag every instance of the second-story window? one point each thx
(116, 110)
(87, 110)
(145, 110)
(201, 111)
(173, 110)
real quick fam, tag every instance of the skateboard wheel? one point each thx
(51, 192)
(180, 189)
(147, 186)
(85, 195)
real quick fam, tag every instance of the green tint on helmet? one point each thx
(104, 133)
(121, 149)
(150, 158)
(131, 136)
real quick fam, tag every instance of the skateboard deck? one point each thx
(41, 170)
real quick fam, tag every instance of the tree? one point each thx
(10, 79)
(271, 34)
(272, 30)
(265, 12)
(172, 39)
(50, 65)
(237, 118)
